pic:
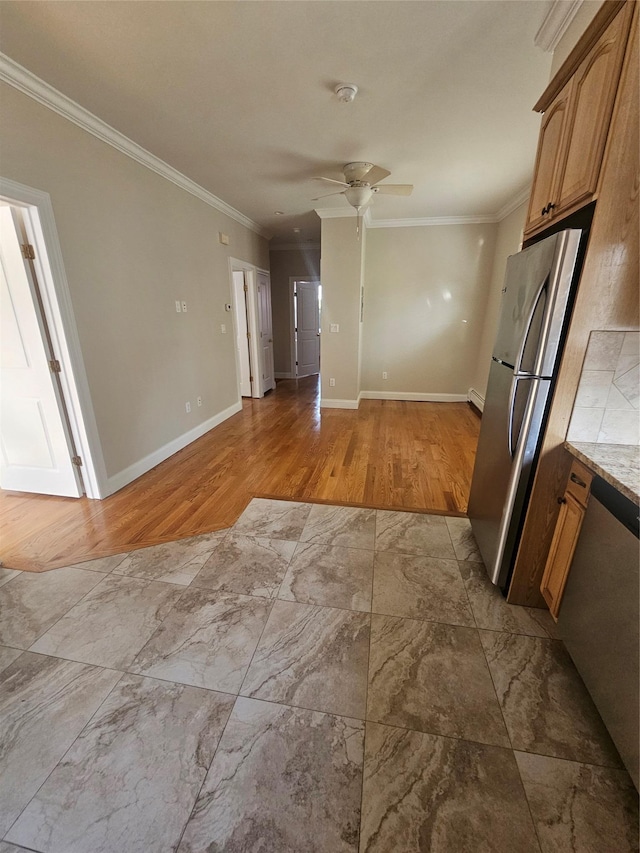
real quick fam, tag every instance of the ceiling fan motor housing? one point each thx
(356, 171)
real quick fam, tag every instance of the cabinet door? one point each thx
(548, 160)
(592, 98)
(563, 545)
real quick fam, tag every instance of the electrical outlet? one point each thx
(385, 375)
(332, 382)
(188, 407)
(223, 328)
(178, 307)
(184, 307)
(199, 401)
(334, 327)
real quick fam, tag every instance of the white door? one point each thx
(266, 331)
(242, 337)
(35, 446)
(307, 328)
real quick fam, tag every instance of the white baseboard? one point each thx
(338, 404)
(418, 397)
(128, 475)
(284, 375)
(476, 399)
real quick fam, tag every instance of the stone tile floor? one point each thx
(317, 678)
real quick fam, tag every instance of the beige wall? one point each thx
(583, 18)
(133, 243)
(421, 285)
(508, 241)
(287, 264)
(341, 272)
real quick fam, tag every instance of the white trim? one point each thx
(339, 404)
(514, 204)
(480, 219)
(336, 212)
(476, 399)
(27, 83)
(63, 329)
(555, 23)
(413, 396)
(429, 221)
(284, 375)
(128, 475)
(295, 247)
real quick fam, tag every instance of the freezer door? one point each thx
(527, 275)
(509, 437)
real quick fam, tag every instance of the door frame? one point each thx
(292, 314)
(250, 277)
(37, 212)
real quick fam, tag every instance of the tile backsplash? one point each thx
(607, 405)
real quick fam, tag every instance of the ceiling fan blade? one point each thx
(394, 189)
(332, 181)
(317, 198)
(375, 174)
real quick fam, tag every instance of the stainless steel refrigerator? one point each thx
(535, 301)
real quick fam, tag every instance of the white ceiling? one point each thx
(239, 97)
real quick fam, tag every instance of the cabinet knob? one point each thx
(550, 207)
(562, 500)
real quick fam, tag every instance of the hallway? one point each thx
(386, 455)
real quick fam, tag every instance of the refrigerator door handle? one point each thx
(512, 446)
(530, 319)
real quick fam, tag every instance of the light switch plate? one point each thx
(335, 327)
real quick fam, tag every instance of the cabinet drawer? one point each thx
(579, 483)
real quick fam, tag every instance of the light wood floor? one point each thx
(388, 455)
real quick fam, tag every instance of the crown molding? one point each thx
(514, 204)
(27, 83)
(335, 212)
(294, 247)
(433, 220)
(555, 23)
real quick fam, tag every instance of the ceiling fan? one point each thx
(362, 182)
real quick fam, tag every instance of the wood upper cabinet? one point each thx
(574, 129)
(552, 131)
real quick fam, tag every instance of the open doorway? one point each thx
(306, 295)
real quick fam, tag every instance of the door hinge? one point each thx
(251, 379)
(28, 252)
(77, 460)
(248, 335)
(245, 288)
(54, 366)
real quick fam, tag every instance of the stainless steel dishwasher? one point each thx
(599, 616)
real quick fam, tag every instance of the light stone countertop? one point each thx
(617, 464)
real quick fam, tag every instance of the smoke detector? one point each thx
(346, 92)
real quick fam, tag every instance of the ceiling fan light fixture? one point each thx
(358, 196)
(346, 92)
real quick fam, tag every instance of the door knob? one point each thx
(270, 340)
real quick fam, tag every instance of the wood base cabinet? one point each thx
(573, 506)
